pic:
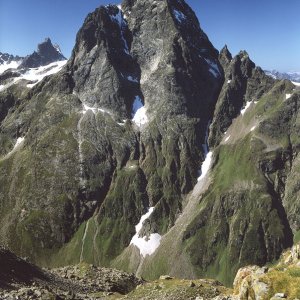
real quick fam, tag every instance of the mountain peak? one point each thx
(243, 54)
(46, 53)
(225, 56)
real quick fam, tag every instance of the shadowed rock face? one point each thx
(16, 271)
(46, 54)
(77, 171)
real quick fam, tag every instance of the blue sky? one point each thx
(269, 30)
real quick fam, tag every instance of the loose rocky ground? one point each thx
(21, 280)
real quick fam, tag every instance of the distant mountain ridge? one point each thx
(292, 76)
(8, 58)
(48, 59)
(46, 53)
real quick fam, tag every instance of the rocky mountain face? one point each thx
(119, 137)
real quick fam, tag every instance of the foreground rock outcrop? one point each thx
(278, 281)
(22, 280)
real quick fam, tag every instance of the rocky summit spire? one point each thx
(104, 72)
(225, 57)
(45, 54)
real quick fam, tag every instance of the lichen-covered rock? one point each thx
(279, 282)
(247, 284)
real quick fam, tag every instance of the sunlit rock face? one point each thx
(144, 107)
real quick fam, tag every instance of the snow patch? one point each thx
(139, 116)
(12, 65)
(180, 16)
(296, 83)
(252, 128)
(38, 74)
(214, 69)
(206, 165)
(147, 246)
(95, 110)
(246, 107)
(229, 80)
(57, 48)
(18, 143)
(288, 96)
(132, 79)
(227, 138)
(208, 157)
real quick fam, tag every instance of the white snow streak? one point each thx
(208, 157)
(229, 80)
(246, 107)
(122, 123)
(147, 246)
(227, 138)
(214, 69)
(296, 83)
(288, 96)
(180, 16)
(252, 128)
(139, 116)
(20, 140)
(130, 78)
(17, 145)
(95, 110)
(206, 165)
